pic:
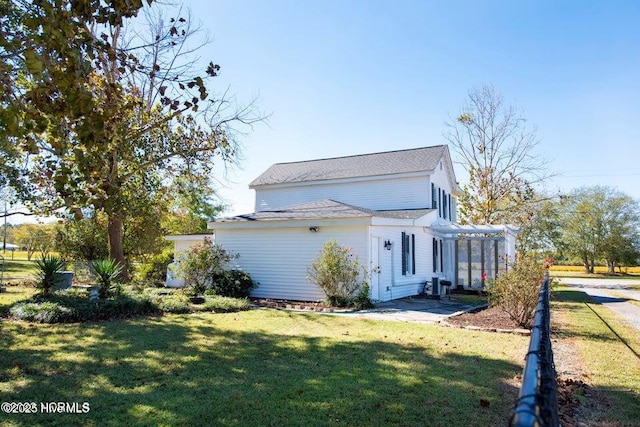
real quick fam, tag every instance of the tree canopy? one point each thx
(100, 111)
(497, 148)
(601, 223)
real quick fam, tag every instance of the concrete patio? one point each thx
(411, 309)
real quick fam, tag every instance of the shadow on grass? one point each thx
(152, 372)
(574, 301)
(602, 405)
(18, 267)
(575, 296)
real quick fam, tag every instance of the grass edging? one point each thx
(609, 369)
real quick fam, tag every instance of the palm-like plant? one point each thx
(46, 277)
(106, 271)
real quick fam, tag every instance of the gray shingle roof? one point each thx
(376, 164)
(325, 209)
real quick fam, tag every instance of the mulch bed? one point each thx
(489, 319)
(296, 305)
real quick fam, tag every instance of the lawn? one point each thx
(14, 294)
(610, 363)
(261, 367)
(18, 269)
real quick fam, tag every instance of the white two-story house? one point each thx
(396, 210)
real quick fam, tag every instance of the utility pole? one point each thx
(4, 238)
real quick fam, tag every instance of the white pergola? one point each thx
(466, 271)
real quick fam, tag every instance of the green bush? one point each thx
(231, 283)
(337, 272)
(362, 300)
(155, 270)
(41, 312)
(201, 263)
(66, 308)
(46, 277)
(516, 290)
(170, 302)
(70, 306)
(221, 304)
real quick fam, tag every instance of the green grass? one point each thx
(610, 366)
(261, 367)
(18, 269)
(14, 294)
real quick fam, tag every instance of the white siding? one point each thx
(379, 194)
(278, 258)
(392, 283)
(183, 245)
(441, 180)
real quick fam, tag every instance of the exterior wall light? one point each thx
(388, 245)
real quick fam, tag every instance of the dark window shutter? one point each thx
(404, 251)
(413, 254)
(434, 199)
(439, 203)
(444, 205)
(434, 252)
(441, 257)
(449, 204)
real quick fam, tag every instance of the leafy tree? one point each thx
(621, 244)
(601, 223)
(497, 148)
(104, 114)
(84, 238)
(190, 203)
(542, 233)
(36, 238)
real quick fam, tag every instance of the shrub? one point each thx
(155, 270)
(362, 300)
(173, 304)
(201, 263)
(107, 271)
(231, 283)
(221, 304)
(46, 277)
(66, 306)
(516, 291)
(41, 312)
(336, 271)
(168, 300)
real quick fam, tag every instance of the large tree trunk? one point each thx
(116, 242)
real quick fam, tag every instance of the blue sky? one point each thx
(350, 77)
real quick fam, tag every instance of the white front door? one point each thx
(375, 268)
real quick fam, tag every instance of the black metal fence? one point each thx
(538, 399)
